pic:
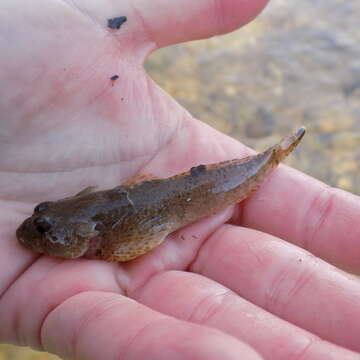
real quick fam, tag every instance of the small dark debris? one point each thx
(182, 237)
(115, 23)
(196, 170)
(114, 77)
(122, 99)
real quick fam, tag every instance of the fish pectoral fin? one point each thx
(86, 191)
(139, 178)
(130, 251)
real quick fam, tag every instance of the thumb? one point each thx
(169, 22)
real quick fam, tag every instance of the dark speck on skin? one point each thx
(114, 77)
(115, 23)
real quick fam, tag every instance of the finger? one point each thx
(308, 213)
(27, 314)
(33, 293)
(97, 325)
(169, 22)
(285, 280)
(213, 305)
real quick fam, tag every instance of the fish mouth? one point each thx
(28, 237)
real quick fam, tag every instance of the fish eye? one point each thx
(42, 225)
(42, 207)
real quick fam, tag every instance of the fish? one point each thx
(125, 222)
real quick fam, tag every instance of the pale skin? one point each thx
(246, 294)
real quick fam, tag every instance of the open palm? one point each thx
(211, 289)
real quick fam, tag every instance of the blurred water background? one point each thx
(297, 64)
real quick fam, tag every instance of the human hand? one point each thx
(210, 288)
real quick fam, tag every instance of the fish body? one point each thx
(129, 220)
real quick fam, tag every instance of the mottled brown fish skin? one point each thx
(123, 223)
